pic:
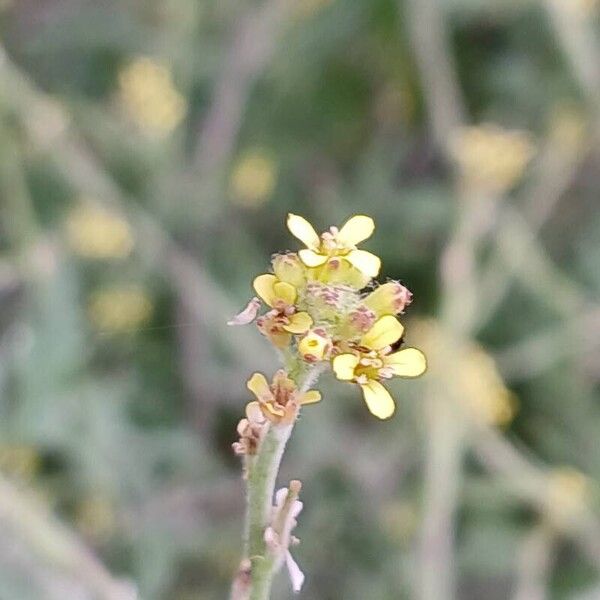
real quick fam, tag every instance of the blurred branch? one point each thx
(544, 350)
(57, 545)
(557, 167)
(444, 443)
(431, 44)
(530, 482)
(534, 561)
(576, 34)
(253, 44)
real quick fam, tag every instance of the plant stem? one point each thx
(262, 474)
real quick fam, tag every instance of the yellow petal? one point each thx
(344, 365)
(356, 230)
(263, 286)
(310, 397)
(364, 261)
(378, 399)
(300, 228)
(258, 385)
(409, 362)
(311, 259)
(384, 332)
(299, 323)
(285, 292)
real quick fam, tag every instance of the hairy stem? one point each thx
(262, 472)
(253, 581)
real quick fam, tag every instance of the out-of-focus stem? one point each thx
(57, 546)
(534, 563)
(443, 453)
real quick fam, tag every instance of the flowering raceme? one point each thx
(318, 314)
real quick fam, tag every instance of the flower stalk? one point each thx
(317, 317)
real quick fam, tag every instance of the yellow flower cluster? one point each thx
(491, 159)
(483, 389)
(475, 381)
(318, 314)
(148, 95)
(119, 309)
(98, 234)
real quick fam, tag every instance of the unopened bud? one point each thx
(315, 345)
(389, 299)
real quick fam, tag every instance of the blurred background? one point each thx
(149, 153)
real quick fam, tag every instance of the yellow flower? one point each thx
(280, 401)
(119, 309)
(283, 321)
(315, 345)
(336, 243)
(147, 94)
(96, 233)
(253, 179)
(374, 360)
(568, 496)
(491, 159)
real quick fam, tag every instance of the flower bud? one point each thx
(315, 345)
(289, 268)
(389, 299)
(362, 318)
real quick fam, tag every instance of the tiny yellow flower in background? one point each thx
(119, 309)
(19, 460)
(95, 517)
(148, 95)
(491, 159)
(98, 234)
(483, 390)
(374, 360)
(569, 129)
(568, 495)
(253, 179)
(336, 243)
(476, 383)
(280, 401)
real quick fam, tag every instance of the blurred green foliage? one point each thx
(121, 388)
